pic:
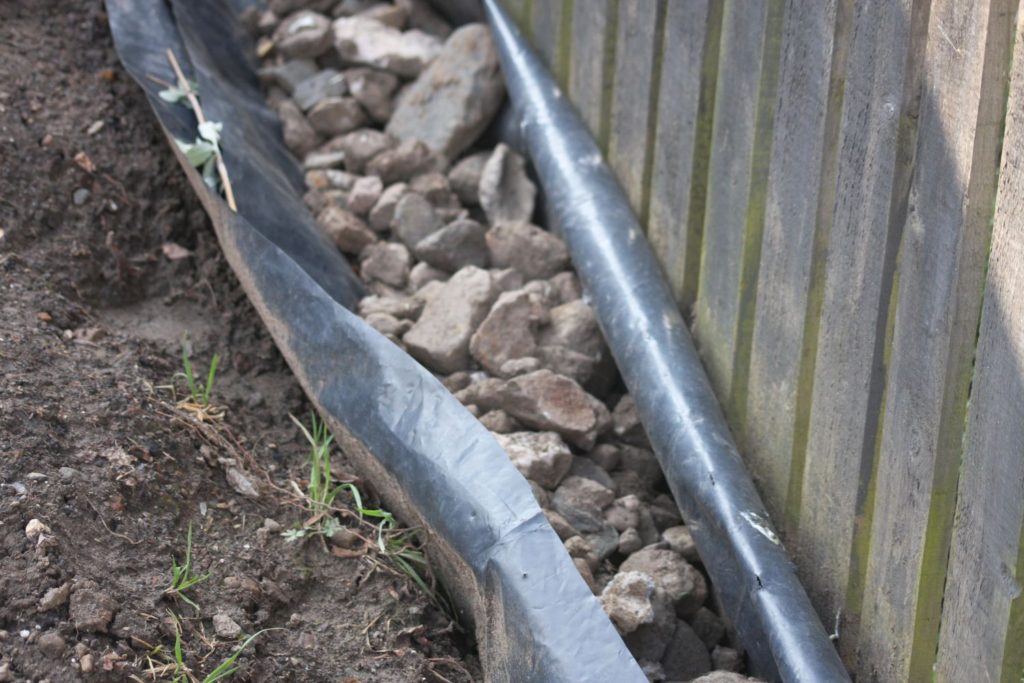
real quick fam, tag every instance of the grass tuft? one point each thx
(182, 577)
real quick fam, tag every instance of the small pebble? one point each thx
(34, 528)
(80, 196)
(225, 626)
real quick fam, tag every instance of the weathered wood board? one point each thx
(982, 633)
(638, 41)
(745, 104)
(941, 270)
(849, 364)
(791, 235)
(672, 236)
(819, 180)
(590, 71)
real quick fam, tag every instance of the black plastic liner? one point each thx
(431, 460)
(750, 571)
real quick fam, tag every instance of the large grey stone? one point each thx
(686, 656)
(574, 326)
(544, 400)
(374, 90)
(540, 456)
(464, 178)
(459, 244)
(386, 262)
(409, 158)
(508, 330)
(440, 338)
(320, 86)
(360, 146)
(336, 116)
(383, 211)
(506, 193)
(299, 136)
(414, 219)
(345, 229)
(683, 583)
(627, 600)
(364, 194)
(288, 75)
(582, 502)
(455, 98)
(366, 41)
(422, 16)
(534, 252)
(304, 34)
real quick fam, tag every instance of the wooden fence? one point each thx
(835, 189)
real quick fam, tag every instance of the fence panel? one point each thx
(591, 59)
(982, 633)
(744, 108)
(791, 234)
(848, 371)
(637, 43)
(683, 123)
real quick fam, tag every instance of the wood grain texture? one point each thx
(942, 262)
(784, 280)
(520, 11)
(686, 28)
(546, 31)
(845, 398)
(982, 633)
(634, 80)
(732, 141)
(737, 179)
(592, 21)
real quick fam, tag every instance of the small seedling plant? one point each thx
(198, 401)
(400, 548)
(174, 664)
(182, 577)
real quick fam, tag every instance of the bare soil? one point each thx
(106, 262)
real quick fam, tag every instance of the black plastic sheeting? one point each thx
(431, 460)
(750, 571)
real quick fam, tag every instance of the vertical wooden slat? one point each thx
(737, 180)
(631, 113)
(784, 282)
(686, 28)
(939, 297)
(942, 264)
(592, 22)
(546, 29)
(520, 11)
(846, 396)
(982, 633)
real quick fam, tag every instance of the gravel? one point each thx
(440, 227)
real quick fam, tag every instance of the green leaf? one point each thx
(210, 130)
(210, 172)
(197, 153)
(172, 95)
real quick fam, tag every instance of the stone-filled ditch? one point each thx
(385, 106)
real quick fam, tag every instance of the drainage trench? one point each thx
(393, 251)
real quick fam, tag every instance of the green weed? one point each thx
(200, 394)
(399, 548)
(182, 577)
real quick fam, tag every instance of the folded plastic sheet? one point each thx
(431, 460)
(750, 571)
